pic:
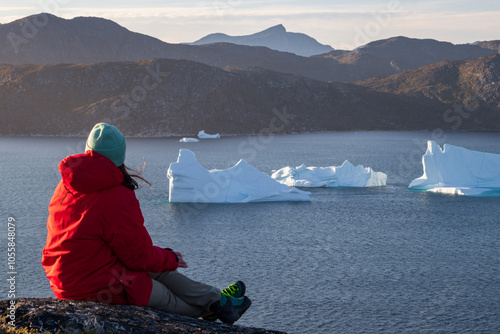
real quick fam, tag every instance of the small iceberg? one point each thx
(203, 135)
(188, 140)
(346, 175)
(458, 171)
(189, 182)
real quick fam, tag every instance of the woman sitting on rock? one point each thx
(98, 248)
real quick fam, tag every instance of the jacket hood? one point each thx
(89, 173)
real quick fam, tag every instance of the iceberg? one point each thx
(458, 171)
(188, 140)
(203, 135)
(189, 182)
(346, 175)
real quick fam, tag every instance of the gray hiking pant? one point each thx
(176, 293)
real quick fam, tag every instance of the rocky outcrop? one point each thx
(66, 316)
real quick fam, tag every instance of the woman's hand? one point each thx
(182, 263)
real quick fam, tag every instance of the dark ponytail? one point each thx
(130, 175)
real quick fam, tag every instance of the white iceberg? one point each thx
(459, 171)
(346, 175)
(203, 135)
(192, 183)
(189, 140)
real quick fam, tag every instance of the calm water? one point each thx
(384, 260)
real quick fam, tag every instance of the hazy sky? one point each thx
(342, 24)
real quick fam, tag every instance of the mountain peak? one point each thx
(41, 18)
(276, 29)
(275, 38)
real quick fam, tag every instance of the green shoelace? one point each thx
(231, 290)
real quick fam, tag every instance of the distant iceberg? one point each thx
(189, 140)
(242, 183)
(459, 171)
(331, 177)
(203, 135)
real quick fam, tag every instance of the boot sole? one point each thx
(242, 308)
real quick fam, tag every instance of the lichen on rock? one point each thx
(70, 316)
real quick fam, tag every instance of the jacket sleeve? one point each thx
(125, 233)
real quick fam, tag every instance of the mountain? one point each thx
(176, 97)
(471, 88)
(399, 54)
(47, 39)
(44, 39)
(491, 45)
(276, 38)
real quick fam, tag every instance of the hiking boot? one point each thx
(230, 309)
(241, 304)
(235, 290)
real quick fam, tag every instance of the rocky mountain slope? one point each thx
(47, 39)
(176, 97)
(276, 38)
(492, 45)
(471, 88)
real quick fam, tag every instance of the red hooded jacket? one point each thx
(97, 246)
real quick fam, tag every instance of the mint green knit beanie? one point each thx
(108, 141)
